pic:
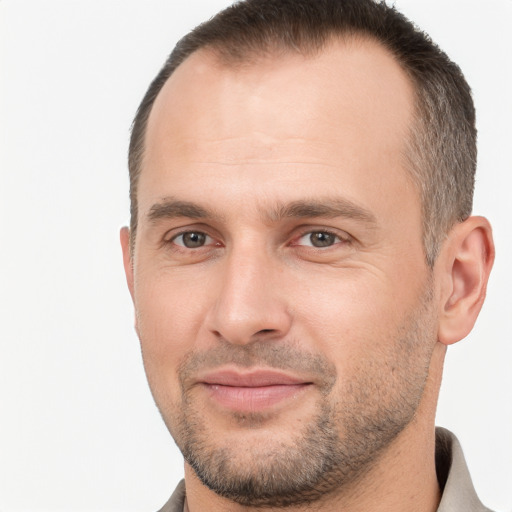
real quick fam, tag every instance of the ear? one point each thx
(465, 263)
(124, 235)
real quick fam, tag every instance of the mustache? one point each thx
(267, 354)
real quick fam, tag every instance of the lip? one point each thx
(252, 391)
(250, 379)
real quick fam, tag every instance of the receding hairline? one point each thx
(221, 55)
(229, 55)
(214, 57)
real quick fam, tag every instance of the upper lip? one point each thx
(250, 379)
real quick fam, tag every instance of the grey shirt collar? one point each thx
(453, 475)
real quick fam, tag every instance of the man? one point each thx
(300, 255)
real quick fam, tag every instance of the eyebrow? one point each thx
(324, 207)
(328, 207)
(170, 208)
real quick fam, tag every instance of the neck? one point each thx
(402, 479)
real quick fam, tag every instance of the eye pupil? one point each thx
(193, 239)
(321, 239)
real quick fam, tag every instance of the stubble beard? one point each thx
(341, 442)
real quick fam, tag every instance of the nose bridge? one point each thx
(249, 304)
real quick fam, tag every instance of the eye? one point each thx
(319, 239)
(192, 239)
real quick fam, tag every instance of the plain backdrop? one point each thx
(78, 427)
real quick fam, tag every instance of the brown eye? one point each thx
(192, 239)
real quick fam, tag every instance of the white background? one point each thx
(78, 428)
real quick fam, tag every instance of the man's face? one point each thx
(282, 299)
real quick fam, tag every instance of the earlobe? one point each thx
(124, 236)
(467, 258)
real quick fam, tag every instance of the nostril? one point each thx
(266, 331)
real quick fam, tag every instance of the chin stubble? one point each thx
(339, 443)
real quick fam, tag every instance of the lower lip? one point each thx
(253, 399)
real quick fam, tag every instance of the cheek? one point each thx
(354, 318)
(381, 346)
(169, 314)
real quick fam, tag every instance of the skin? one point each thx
(235, 154)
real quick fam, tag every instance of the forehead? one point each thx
(343, 114)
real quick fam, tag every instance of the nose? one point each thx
(250, 304)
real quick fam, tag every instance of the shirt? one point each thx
(458, 493)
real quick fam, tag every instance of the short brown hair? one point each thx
(441, 150)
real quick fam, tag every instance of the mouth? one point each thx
(253, 391)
